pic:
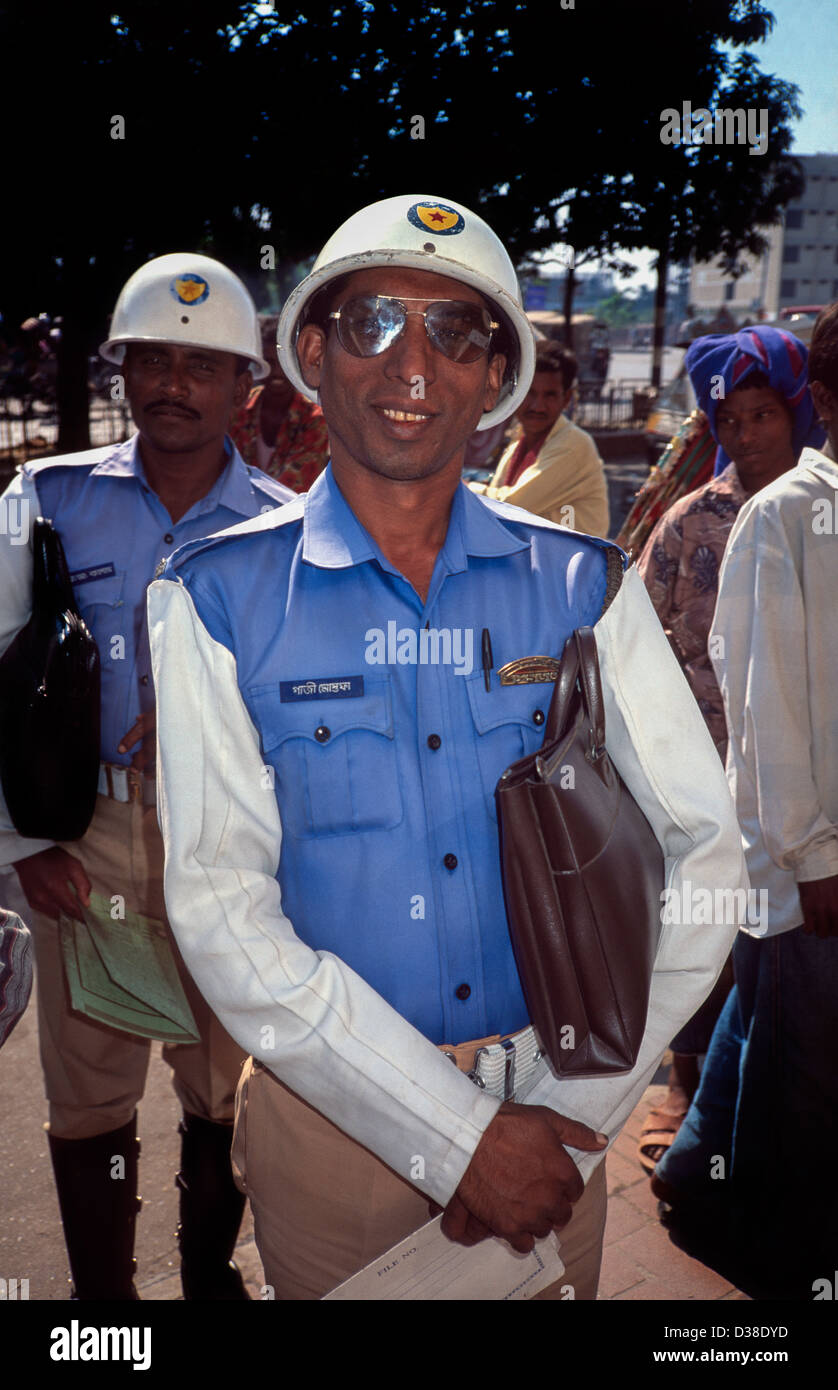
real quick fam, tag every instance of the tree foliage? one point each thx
(250, 125)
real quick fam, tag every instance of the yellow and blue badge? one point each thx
(436, 217)
(189, 289)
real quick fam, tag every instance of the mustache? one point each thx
(171, 405)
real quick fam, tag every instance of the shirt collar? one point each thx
(729, 480)
(333, 537)
(819, 462)
(232, 489)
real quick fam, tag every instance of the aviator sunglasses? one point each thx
(370, 323)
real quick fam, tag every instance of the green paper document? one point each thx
(123, 973)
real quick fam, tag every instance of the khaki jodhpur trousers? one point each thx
(95, 1075)
(324, 1206)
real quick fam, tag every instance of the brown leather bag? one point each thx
(583, 876)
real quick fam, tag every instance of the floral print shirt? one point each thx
(301, 450)
(680, 566)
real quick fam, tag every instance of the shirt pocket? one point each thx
(334, 761)
(509, 722)
(101, 603)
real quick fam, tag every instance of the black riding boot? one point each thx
(211, 1209)
(97, 1193)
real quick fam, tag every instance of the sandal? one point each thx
(659, 1130)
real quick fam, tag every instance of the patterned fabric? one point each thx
(15, 971)
(685, 464)
(680, 568)
(720, 361)
(301, 449)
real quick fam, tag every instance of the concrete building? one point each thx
(800, 266)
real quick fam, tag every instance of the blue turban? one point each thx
(733, 357)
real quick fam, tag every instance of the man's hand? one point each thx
(143, 732)
(819, 900)
(520, 1183)
(48, 880)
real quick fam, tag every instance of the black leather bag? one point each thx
(583, 876)
(50, 706)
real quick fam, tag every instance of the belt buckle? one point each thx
(507, 1047)
(124, 784)
(113, 778)
(474, 1074)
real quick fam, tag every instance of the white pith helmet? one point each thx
(189, 300)
(421, 234)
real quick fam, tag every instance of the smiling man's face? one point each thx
(406, 413)
(182, 398)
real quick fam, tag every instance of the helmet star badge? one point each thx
(436, 217)
(189, 289)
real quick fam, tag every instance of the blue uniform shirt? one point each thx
(382, 743)
(115, 531)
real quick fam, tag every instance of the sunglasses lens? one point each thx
(460, 330)
(369, 325)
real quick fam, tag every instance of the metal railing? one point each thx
(613, 405)
(32, 426)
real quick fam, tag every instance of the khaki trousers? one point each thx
(324, 1206)
(95, 1075)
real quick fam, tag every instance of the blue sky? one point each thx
(803, 48)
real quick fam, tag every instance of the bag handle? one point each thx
(591, 688)
(563, 692)
(579, 670)
(52, 591)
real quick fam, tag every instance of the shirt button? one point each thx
(143, 680)
(168, 538)
(450, 861)
(538, 716)
(322, 734)
(434, 741)
(463, 991)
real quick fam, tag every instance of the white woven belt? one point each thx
(126, 784)
(508, 1069)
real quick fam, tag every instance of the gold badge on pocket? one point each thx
(530, 670)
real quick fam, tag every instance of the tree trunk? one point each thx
(660, 318)
(71, 386)
(71, 389)
(569, 292)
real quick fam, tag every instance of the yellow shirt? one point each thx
(566, 484)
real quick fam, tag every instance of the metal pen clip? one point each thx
(509, 1073)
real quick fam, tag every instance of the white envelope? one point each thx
(428, 1266)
